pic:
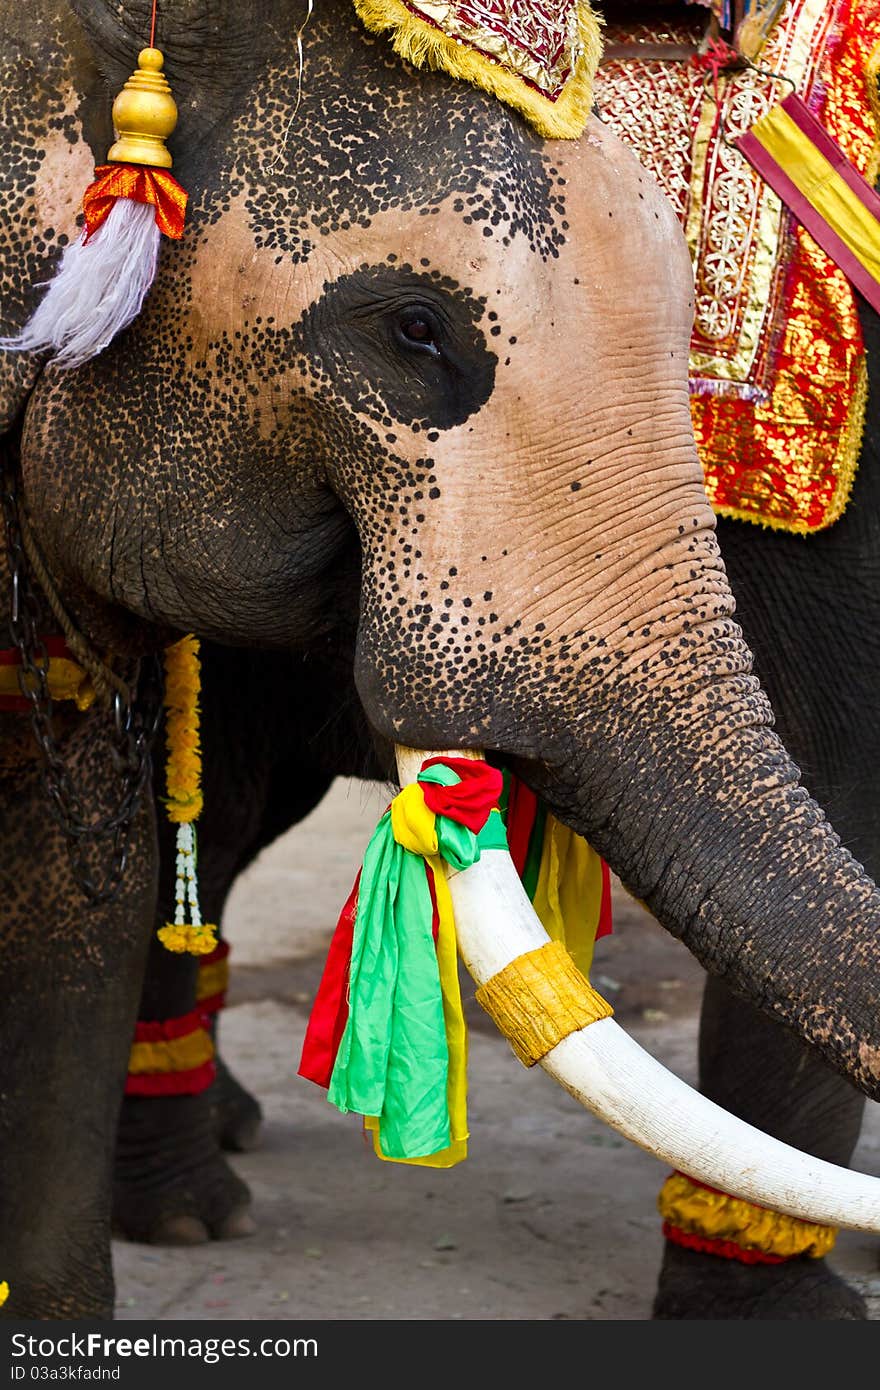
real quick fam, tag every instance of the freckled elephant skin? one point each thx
(413, 387)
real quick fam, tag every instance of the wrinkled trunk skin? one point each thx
(698, 807)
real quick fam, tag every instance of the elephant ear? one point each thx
(539, 59)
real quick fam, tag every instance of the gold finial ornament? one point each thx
(144, 115)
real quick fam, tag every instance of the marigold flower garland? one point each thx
(183, 773)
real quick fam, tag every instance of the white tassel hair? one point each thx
(98, 289)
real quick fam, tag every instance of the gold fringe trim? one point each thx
(539, 999)
(421, 44)
(180, 1054)
(717, 1216)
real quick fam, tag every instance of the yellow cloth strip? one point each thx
(67, 681)
(180, 1054)
(213, 979)
(456, 1034)
(822, 186)
(412, 824)
(718, 1216)
(568, 896)
(539, 999)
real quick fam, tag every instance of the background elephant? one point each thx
(382, 458)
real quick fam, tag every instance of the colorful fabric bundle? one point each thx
(387, 1035)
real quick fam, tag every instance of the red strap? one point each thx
(213, 1003)
(172, 1083)
(727, 1249)
(171, 1028)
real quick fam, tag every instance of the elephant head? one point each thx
(415, 383)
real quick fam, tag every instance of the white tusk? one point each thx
(603, 1068)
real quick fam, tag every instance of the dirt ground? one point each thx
(552, 1215)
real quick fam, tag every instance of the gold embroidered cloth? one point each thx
(777, 360)
(538, 41)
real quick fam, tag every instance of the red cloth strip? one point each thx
(522, 807)
(727, 1249)
(435, 911)
(170, 1028)
(606, 912)
(143, 185)
(470, 800)
(330, 1010)
(772, 173)
(172, 1083)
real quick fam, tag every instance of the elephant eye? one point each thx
(417, 330)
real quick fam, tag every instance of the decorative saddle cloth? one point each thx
(778, 375)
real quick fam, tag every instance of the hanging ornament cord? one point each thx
(105, 274)
(184, 796)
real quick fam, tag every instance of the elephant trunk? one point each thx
(700, 812)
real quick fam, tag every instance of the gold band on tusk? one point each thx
(539, 999)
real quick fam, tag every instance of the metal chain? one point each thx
(135, 721)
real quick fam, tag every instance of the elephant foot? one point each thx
(172, 1185)
(237, 1114)
(694, 1285)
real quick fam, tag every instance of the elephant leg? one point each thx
(173, 1184)
(755, 1069)
(71, 974)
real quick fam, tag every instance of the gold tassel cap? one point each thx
(144, 115)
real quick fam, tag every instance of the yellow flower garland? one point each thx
(184, 800)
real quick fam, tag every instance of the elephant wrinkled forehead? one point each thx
(371, 136)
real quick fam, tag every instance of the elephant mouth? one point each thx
(609, 1073)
